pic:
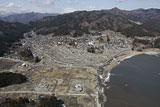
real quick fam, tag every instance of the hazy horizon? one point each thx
(66, 6)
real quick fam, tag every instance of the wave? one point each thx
(107, 79)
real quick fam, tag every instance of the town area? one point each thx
(69, 68)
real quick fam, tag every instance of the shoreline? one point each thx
(131, 54)
(127, 56)
(105, 77)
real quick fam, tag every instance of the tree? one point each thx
(7, 79)
(50, 102)
(91, 49)
(37, 59)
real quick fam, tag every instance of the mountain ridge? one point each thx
(26, 17)
(130, 23)
(113, 19)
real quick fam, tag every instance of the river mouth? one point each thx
(135, 82)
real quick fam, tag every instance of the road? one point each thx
(44, 93)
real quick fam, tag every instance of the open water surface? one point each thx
(135, 82)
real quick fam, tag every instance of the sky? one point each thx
(66, 6)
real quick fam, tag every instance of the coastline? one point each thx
(105, 77)
(131, 54)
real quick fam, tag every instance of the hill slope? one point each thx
(9, 33)
(78, 23)
(138, 22)
(26, 17)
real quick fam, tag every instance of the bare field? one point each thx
(67, 70)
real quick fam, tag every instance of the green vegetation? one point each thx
(26, 55)
(79, 23)
(50, 102)
(21, 102)
(25, 102)
(91, 49)
(145, 42)
(7, 79)
(37, 59)
(9, 33)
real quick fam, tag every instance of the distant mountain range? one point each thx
(139, 22)
(132, 23)
(24, 17)
(4, 14)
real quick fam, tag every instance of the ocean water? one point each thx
(135, 82)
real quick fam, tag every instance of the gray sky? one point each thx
(65, 6)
